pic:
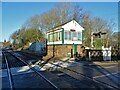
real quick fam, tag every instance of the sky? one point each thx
(14, 14)
(60, 0)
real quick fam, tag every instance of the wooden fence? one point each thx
(97, 55)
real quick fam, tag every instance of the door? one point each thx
(74, 49)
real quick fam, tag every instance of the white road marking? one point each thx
(109, 66)
(105, 75)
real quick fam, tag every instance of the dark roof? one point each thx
(61, 24)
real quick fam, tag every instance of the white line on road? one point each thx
(105, 75)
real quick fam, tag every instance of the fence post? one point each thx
(89, 53)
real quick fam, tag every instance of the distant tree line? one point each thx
(24, 36)
(35, 27)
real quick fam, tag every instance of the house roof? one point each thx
(59, 26)
(62, 24)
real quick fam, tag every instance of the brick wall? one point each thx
(62, 50)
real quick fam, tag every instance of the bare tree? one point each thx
(87, 24)
(32, 22)
(63, 12)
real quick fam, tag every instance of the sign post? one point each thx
(106, 53)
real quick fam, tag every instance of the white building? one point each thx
(66, 36)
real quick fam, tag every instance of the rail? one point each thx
(97, 81)
(9, 74)
(32, 68)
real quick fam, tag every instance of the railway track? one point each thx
(74, 83)
(76, 75)
(3, 63)
(11, 84)
(13, 61)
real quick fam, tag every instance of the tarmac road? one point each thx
(107, 73)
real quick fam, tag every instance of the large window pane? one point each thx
(56, 36)
(66, 35)
(74, 35)
(60, 36)
(79, 36)
(69, 36)
(51, 37)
